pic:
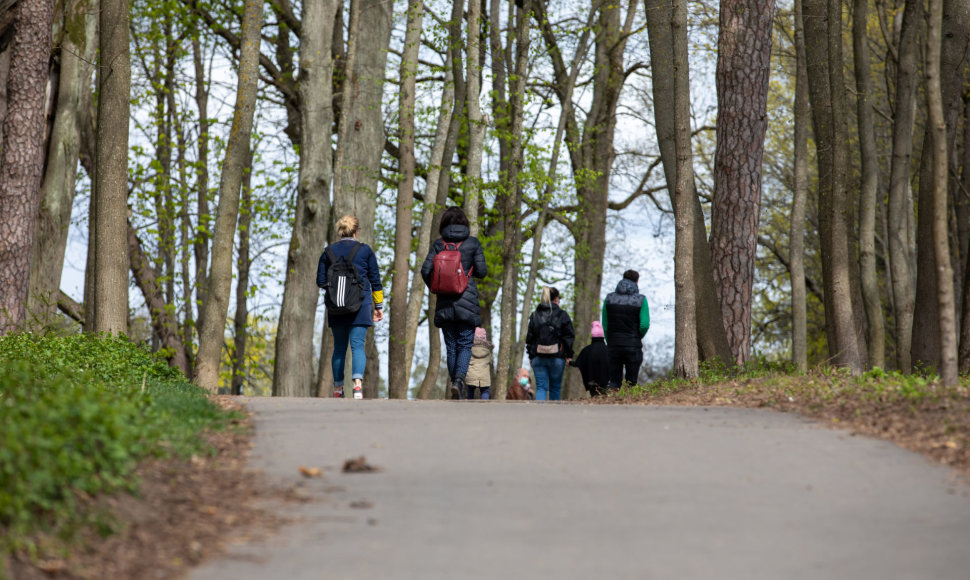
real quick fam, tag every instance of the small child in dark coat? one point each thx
(594, 362)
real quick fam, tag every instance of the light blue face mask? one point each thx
(523, 381)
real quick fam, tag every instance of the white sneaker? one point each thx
(358, 389)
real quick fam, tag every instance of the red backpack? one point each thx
(448, 275)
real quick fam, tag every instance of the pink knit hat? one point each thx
(597, 331)
(480, 333)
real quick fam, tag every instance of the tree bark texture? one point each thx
(434, 353)
(76, 53)
(900, 207)
(711, 338)
(111, 173)
(796, 234)
(964, 353)
(685, 341)
(243, 263)
(397, 386)
(946, 304)
(823, 48)
(293, 369)
(22, 155)
(926, 348)
(212, 333)
(744, 50)
(869, 187)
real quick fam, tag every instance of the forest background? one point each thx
(819, 155)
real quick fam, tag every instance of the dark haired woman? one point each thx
(456, 314)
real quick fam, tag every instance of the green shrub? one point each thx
(77, 414)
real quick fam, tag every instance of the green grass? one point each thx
(77, 415)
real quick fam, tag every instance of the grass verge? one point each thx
(78, 415)
(914, 411)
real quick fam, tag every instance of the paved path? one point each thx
(522, 491)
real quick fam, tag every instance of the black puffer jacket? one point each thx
(464, 308)
(550, 324)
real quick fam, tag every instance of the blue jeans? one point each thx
(342, 335)
(548, 371)
(459, 339)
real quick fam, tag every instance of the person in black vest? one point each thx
(457, 314)
(626, 319)
(352, 328)
(549, 343)
(593, 362)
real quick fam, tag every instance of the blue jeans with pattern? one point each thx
(459, 339)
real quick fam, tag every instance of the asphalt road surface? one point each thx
(562, 491)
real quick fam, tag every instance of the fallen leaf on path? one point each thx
(311, 471)
(359, 465)
(361, 504)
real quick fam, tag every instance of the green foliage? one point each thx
(77, 414)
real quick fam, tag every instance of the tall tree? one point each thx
(77, 51)
(937, 127)
(22, 156)
(476, 128)
(900, 208)
(243, 264)
(711, 337)
(869, 187)
(796, 234)
(926, 347)
(293, 369)
(110, 191)
(397, 380)
(685, 348)
(743, 55)
(823, 49)
(212, 333)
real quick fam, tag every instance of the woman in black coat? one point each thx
(457, 314)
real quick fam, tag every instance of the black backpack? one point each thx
(547, 333)
(344, 288)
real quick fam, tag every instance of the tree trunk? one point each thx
(111, 173)
(941, 240)
(434, 353)
(397, 387)
(899, 210)
(22, 155)
(711, 338)
(476, 128)
(965, 187)
(797, 232)
(78, 50)
(243, 263)
(212, 333)
(685, 346)
(823, 48)
(164, 324)
(203, 223)
(293, 369)
(744, 50)
(926, 347)
(512, 197)
(869, 188)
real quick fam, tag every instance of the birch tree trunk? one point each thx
(293, 369)
(78, 51)
(22, 155)
(397, 386)
(941, 242)
(711, 337)
(797, 232)
(744, 50)
(212, 333)
(685, 346)
(869, 187)
(111, 173)
(900, 211)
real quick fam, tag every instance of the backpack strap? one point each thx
(329, 252)
(353, 252)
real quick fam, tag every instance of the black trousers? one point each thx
(625, 362)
